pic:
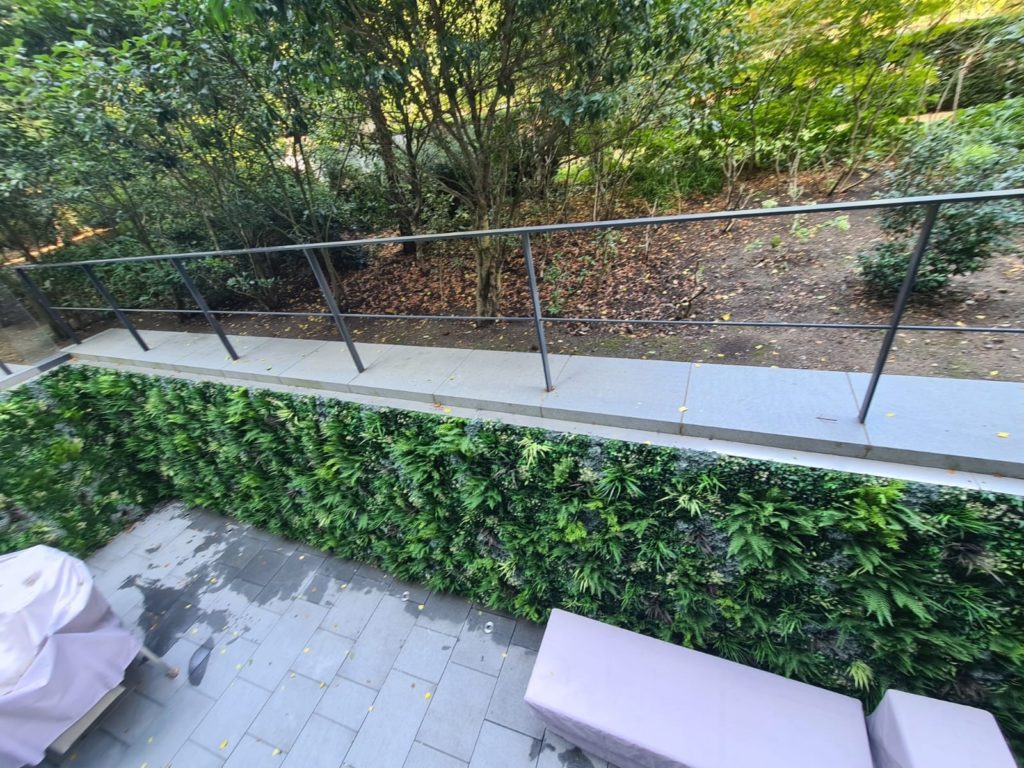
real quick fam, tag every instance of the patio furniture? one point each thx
(644, 703)
(63, 652)
(910, 731)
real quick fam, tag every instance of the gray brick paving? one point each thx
(272, 658)
(500, 747)
(374, 653)
(322, 656)
(285, 714)
(389, 729)
(225, 724)
(507, 706)
(425, 653)
(346, 703)
(483, 641)
(322, 744)
(192, 755)
(422, 756)
(457, 711)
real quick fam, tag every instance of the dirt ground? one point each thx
(771, 269)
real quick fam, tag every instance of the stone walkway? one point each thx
(293, 659)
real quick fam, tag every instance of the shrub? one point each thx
(983, 149)
(850, 582)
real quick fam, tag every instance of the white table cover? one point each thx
(61, 650)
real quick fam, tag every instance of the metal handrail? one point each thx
(932, 203)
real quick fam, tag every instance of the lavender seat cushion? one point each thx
(644, 703)
(910, 731)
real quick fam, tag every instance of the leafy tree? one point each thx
(501, 85)
(982, 149)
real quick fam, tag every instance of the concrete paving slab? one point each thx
(444, 613)
(346, 702)
(227, 721)
(379, 644)
(168, 733)
(193, 756)
(919, 419)
(226, 659)
(388, 732)
(130, 716)
(323, 656)
(254, 753)
(116, 344)
(809, 410)
(514, 379)
(330, 366)
(527, 634)
(499, 747)
(483, 642)
(322, 744)
(262, 568)
(183, 351)
(269, 359)
(507, 706)
(201, 353)
(285, 714)
(289, 582)
(425, 654)
(457, 711)
(638, 394)
(412, 373)
(354, 607)
(285, 641)
(422, 756)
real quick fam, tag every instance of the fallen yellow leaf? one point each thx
(683, 409)
(224, 744)
(890, 414)
(1002, 434)
(726, 316)
(276, 752)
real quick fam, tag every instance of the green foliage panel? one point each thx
(850, 582)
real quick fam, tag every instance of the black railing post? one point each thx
(538, 316)
(332, 305)
(200, 301)
(3, 368)
(901, 304)
(39, 298)
(108, 297)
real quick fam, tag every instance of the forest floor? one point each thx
(770, 269)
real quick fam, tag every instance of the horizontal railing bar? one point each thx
(540, 229)
(586, 320)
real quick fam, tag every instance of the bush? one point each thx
(853, 583)
(983, 149)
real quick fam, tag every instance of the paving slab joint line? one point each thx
(490, 698)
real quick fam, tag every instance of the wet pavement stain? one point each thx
(199, 661)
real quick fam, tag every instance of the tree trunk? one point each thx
(490, 257)
(386, 145)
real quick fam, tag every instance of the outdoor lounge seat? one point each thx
(910, 731)
(644, 703)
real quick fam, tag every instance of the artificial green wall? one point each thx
(845, 581)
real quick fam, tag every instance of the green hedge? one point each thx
(850, 582)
